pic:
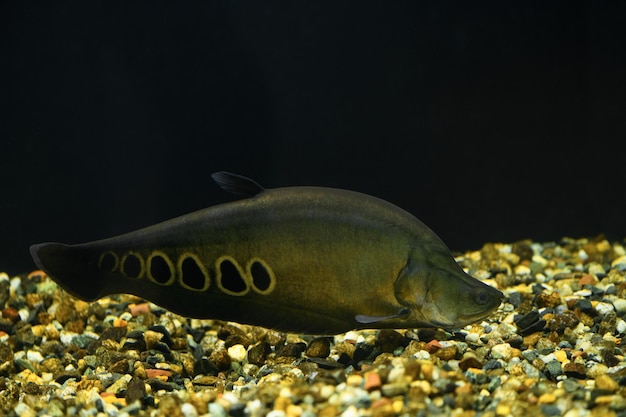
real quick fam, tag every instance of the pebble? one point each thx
(34, 356)
(472, 338)
(188, 410)
(575, 370)
(396, 374)
(620, 305)
(606, 383)
(604, 308)
(620, 260)
(394, 389)
(215, 409)
(319, 348)
(502, 351)
(554, 347)
(237, 353)
(372, 381)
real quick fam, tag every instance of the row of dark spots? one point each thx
(231, 279)
(108, 261)
(160, 269)
(132, 265)
(192, 275)
(261, 278)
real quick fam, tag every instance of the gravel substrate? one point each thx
(554, 347)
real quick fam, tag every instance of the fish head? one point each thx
(444, 297)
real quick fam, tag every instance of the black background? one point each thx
(490, 121)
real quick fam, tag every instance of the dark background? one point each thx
(490, 121)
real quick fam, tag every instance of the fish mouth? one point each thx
(465, 319)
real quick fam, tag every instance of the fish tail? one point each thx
(72, 267)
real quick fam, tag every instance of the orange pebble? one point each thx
(37, 273)
(372, 381)
(11, 314)
(155, 373)
(382, 402)
(587, 279)
(138, 309)
(433, 346)
(120, 323)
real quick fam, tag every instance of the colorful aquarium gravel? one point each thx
(554, 347)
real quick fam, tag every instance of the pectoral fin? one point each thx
(365, 319)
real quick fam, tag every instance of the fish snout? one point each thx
(487, 296)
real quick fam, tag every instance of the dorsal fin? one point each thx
(236, 184)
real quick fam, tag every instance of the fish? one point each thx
(310, 260)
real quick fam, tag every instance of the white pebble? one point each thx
(505, 330)
(24, 313)
(285, 392)
(276, 413)
(596, 269)
(346, 398)
(34, 356)
(351, 335)
(481, 274)
(189, 410)
(126, 316)
(620, 326)
(540, 260)
(215, 409)
(230, 397)
(254, 408)
(620, 305)
(548, 358)
(237, 353)
(66, 337)
(351, 411)
(509, 319)
(604, 308)
(21, 409)
(522, 269)
(327, 391)
(422, 355)
(504, 248)
(472, 337)
(502, 351)
(396, 374)
(16, 283)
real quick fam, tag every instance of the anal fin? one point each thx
(365, 319)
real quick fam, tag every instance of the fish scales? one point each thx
(301, 259)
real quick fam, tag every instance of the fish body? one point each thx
(301, 259)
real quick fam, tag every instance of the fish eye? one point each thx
(482, 298)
